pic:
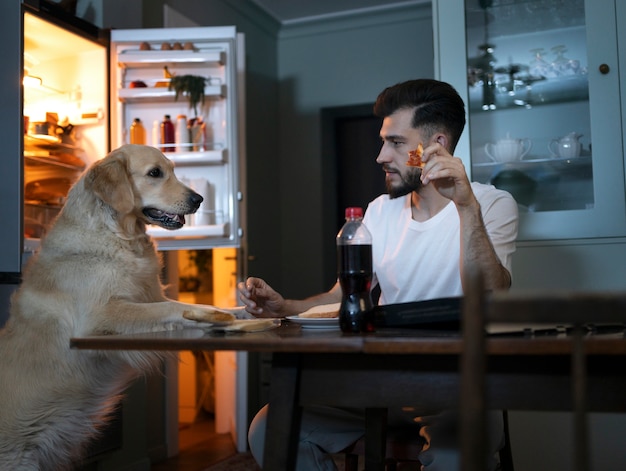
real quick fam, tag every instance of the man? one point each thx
(431, 224)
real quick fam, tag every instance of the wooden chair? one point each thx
(575, 309)
(389, 450)
(398, 450)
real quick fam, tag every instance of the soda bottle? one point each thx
(168, 135)
(137, 132)
(354, 271)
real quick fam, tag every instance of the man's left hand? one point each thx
(447, 174)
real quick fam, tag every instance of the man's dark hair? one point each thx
(438, 106)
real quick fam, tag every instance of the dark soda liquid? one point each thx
(355, 277)
(354, 258)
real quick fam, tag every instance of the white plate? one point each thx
(315, 322)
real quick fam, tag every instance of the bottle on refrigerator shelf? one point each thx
(355, 271)
(137, 132)
(182, 133)
(168, 135)
(156, 134)
(197, 133)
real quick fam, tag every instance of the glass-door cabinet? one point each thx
(540, 81)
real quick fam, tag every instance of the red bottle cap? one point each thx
(354, 212)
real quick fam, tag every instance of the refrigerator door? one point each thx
(191, 76)
(11, 163)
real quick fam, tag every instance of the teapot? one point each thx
(567, 147)
(508, 149)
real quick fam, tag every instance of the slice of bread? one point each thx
(321, 311)
(251, 325)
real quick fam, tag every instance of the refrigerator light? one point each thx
(31, 81)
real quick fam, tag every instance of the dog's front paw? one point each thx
(209, 315)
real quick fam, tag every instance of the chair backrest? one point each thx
(576, 310)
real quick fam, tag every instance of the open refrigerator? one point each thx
(78, 100)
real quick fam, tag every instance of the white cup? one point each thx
(508, 150)
(202, 217)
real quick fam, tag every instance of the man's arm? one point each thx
(262, 300)
(293, 306)
(448, 175)
(477, 249)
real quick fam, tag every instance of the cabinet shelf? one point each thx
(536, 183)
(535, 167)
(543, 92)
(135, 58)
(555, 162)
(163, 94)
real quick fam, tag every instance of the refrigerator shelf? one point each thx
(55, 160)
(160, 94)
(197, 158)
(135, 58)
(34, 142)
(213, 230)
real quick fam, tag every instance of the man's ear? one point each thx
(442, 139)
(109, 181)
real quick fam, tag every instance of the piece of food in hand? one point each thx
(415, 157)
(213, 315)
(322, 311)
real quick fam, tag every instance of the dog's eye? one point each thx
(155, 173)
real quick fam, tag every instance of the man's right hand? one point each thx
(260, 298)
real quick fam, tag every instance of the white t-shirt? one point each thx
(415, 261)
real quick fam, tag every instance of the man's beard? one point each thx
(410, 182)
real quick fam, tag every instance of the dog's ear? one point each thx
(108, 179)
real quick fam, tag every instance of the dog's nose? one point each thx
(195, 199)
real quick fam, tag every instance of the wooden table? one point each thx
(397, 367)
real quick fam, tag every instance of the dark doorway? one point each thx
(350, 145)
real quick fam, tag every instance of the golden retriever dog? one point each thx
(96, 272)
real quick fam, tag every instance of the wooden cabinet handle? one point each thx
(604, 69)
